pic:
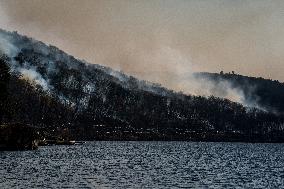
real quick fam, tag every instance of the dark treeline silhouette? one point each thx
(59, 93)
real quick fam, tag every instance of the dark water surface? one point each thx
(145, 165)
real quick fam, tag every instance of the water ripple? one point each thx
(145, 165)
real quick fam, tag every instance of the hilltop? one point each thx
(55, 91)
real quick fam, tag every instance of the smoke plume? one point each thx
(165, 58)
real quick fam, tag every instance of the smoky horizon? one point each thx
(159, 41)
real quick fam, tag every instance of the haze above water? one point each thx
(145, 165)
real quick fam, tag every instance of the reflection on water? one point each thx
(145, 165)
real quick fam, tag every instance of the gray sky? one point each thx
(159, 40)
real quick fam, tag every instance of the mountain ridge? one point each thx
(96, 105)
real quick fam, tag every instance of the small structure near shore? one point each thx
(18, 137)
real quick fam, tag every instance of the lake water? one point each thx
(145, 165)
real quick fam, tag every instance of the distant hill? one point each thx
(51, 89)
(267, 93)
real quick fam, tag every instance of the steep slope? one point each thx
(99, 103)
(28, 104)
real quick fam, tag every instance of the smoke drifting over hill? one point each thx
(13, 45)
(162, 41)
(135, 36)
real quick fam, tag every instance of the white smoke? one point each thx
(222, 89)
(6, 47)
(34, 77)
(166, 58)
(205, 86)
(9, 48)
(182, 76)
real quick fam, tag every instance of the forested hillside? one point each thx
(43, 86)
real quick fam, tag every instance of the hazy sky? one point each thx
(159, 40)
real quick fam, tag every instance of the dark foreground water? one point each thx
(145, 165)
